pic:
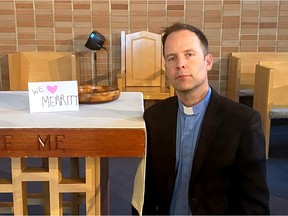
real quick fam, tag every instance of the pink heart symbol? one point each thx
(52, 89)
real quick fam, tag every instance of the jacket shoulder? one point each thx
(163, 106)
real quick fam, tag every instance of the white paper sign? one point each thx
(53, 96)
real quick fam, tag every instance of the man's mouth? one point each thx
(182, 76)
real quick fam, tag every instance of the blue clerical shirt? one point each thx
(189, 121)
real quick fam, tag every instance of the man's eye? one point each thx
(170, 59)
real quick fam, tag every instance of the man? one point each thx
(205, 153)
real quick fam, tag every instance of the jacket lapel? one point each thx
(171, 122)
(211, 122)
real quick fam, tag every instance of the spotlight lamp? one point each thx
(95, 42)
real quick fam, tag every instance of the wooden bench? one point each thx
(270, 95)
(27, 67)
(241, 71)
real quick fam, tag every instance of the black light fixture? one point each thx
(95, 42)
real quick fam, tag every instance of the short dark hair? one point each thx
(183, 26)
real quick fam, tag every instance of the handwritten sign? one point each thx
(53, 96)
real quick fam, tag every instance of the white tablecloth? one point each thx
(125, 112)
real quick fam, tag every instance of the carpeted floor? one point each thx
(277, 168)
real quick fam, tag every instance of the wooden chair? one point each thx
(142, 67)
(27, 67)
(270, 98)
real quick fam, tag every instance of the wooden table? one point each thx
(96, 132)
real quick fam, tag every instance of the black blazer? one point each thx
(229, 170)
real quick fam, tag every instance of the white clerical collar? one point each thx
(200, 107)
(188, 110)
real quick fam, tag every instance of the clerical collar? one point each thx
(188, 110)
(201, 106)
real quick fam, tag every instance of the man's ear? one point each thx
(209, 61)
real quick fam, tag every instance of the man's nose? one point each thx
(181, 63)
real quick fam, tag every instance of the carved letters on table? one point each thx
(43, 143)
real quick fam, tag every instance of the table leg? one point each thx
(95, 186)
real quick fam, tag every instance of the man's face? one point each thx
(186, 65)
